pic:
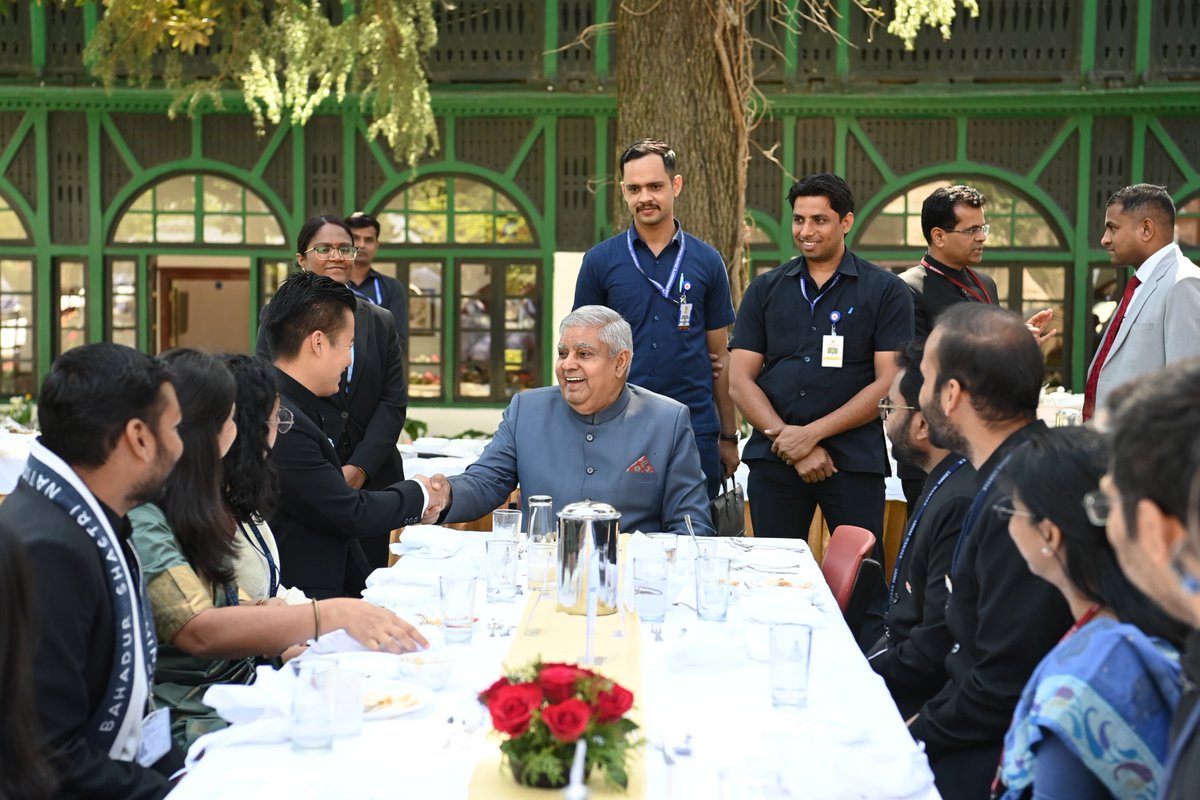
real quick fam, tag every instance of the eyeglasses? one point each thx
(886, 408)
(1006, 512)
(327, 252)
(974, 230)
(283, 420)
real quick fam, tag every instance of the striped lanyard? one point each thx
(664, 290)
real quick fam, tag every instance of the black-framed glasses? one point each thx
(326, 252)
(886, 408)
(974, 230)
(1006, 511)
(283, 420)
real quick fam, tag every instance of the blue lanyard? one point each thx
(378, 294)
(272, 569)
(1176, 752)
(912, 526)
(812, 304)
(977, 506)
(664, 290)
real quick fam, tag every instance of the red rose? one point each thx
(512, 707)
(567, 720)
(487, 693)
(558, 681)
(613, 704)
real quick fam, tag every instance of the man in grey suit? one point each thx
(1158, 319)
(594, 437)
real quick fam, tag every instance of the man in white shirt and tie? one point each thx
(1158, 319)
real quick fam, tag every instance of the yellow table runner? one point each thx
(552, 636)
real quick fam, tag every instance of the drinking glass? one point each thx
(650, 588)
(501, 567)
(506, 524)
(669, 542)
(706, 546)
(348, 693)
(791, 649)
(712, 588)
(541, 519)
(458, 606)
(543, 565)
(313, 704)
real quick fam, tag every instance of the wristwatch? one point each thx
(729, 437)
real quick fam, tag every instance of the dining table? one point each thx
(702, 693)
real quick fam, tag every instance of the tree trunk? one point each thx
(684, 76)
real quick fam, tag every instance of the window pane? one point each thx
(472, 195)
(425, 277)
(72, 305)
(16, 276)
(222, 228)
(426, 229)
(263, 230)
(175, 228)
(1000, 276)
(10, 225)
(254, 204)
(428, 195)
(474, 381)
(176, 194)
(273, 274)
(473, 228)
(144, 201)
(512, 229)
(884, 230)
(17, 366)
(135, 227)
(222, 195)
(123, 314)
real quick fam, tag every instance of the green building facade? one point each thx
(119, 223)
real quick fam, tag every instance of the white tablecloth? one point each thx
(848, 743)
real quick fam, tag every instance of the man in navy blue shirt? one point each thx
(813, 351)
(673, 290)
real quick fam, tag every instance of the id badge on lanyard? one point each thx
(685, 308)
(832, 344)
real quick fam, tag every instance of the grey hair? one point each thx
(614, 330)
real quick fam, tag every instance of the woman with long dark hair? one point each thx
(25, 772)
(250, 481)
(1094, 716)
(208, 631)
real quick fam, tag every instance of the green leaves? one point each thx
(286, 57)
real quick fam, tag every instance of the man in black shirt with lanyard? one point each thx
(982, 375)
(813, 351)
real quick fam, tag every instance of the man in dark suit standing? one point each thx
(364, 417)
(321, 520)
(367, 283)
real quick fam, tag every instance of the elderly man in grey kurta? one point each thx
(595, 437)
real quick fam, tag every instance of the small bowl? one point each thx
(429, 669)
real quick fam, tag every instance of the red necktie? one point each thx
(1089, 393)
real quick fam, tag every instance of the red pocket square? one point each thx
(641, 465)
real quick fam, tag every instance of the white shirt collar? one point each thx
(1146, 270)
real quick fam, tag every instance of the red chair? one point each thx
(849, 545)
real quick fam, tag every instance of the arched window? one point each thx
(1025, 254)
(17, 352)
(476, 288)
(199, 208)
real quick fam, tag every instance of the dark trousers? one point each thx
(966, 774)
(782, 505)
(710, 462)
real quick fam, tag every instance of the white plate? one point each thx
(388, 699)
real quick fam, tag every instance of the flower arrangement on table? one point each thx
(546, 708)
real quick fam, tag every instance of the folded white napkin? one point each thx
(269, 695)
(428, 541)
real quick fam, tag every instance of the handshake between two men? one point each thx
(440, 495)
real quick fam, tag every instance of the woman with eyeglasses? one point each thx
(250, 482)
(1093, 719)
(365, 419)
(209, 632)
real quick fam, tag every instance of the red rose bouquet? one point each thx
(546, 708)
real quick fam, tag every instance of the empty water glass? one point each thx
(669, 542)
(313, 704)
(650, 588)
(501, 567)
(712, 588)
(791, 650)
(458, 606)
(506, 524)
(541, 519)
